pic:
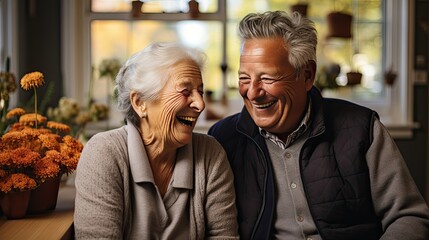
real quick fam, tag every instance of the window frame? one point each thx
(395, 110)
(9, 38)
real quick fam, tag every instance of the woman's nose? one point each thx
(197, 102)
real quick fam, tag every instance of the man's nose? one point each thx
(255, 90)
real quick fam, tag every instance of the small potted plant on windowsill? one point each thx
(390, 76)
(354, 78)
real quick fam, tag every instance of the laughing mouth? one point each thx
(188, 121)
(265, 105)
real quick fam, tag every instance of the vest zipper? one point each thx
(258, 220)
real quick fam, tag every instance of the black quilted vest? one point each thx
(333, 170)
(335, 173)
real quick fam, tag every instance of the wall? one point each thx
(39, 48)
(415, 150)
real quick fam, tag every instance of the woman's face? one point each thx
(172, 117)
(273, 93)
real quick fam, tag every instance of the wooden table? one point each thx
(57, 224)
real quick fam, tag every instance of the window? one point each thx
(8, 39)
(104, 29)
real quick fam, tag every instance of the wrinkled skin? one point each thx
(164, 129)
(273, 92)
(182, 96)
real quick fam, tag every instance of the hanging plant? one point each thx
(390, 76)
(300, 7)
(339, 25)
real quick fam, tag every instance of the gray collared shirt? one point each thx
(157, 217)
(294, 135)
(293, 218)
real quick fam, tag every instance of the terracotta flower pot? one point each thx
(193, 8)
(301, 8)
(354, 78)
(44, 198)
(339, 25)
(14, 204)
(390, 77)
(136, 9)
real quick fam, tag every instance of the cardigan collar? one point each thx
(140, 167)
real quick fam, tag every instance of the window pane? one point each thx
(152, 6)
(120, 39)
(364, 52)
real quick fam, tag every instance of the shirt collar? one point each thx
(140, 167)
(294, 135)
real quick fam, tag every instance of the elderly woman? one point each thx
(153, 178)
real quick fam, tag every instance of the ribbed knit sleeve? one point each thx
(100, 187)
(213, 205)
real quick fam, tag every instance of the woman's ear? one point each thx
(138, 105)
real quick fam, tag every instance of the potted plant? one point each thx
(390, 76)
(136, 8)
(35, 151)
(339, 25)
(354, 78)
(327, 77)
(300, 7)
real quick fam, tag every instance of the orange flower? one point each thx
(27, 137)
(59, 126)
(70, 149)
(30, 119)
(17, 181)
(50, 141)
(5, 158)
(47, 167)
(24, 157)
(33, 79)
(15, 112)
(16, 127)
(3, 173)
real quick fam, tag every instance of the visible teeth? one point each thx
(191, 119)
(264, 105)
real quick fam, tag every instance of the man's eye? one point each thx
(268, 80)
(244, 80)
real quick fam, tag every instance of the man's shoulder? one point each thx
(343, 107)
(225, 128)
(227, 123)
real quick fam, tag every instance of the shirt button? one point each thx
(293, 185)
(288, 155)
(300, 218)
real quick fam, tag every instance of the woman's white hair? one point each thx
(147, 72)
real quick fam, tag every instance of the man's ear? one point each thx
(309, 74)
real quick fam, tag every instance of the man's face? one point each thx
(273, 93)
(173, 115)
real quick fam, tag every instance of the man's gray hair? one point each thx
(298, 33)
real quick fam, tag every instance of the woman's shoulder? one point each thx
(105, 149)
(207, 146)
(204, 139)
(106, 137)
(108, 142)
